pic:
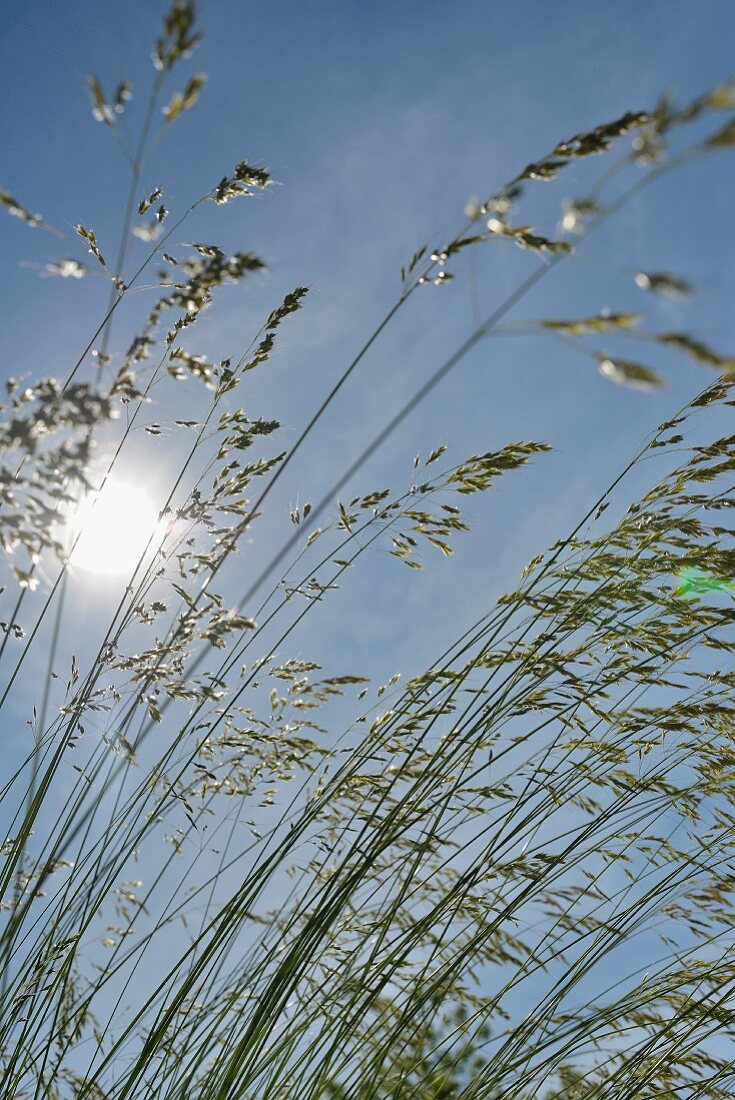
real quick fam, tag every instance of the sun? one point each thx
(110, 530)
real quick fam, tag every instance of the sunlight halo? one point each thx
(108, 531)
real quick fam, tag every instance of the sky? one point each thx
(380, 121)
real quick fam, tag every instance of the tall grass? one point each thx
(229, 873)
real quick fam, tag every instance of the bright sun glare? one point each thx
(114, 527)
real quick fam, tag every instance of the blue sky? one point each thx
(380, 121)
